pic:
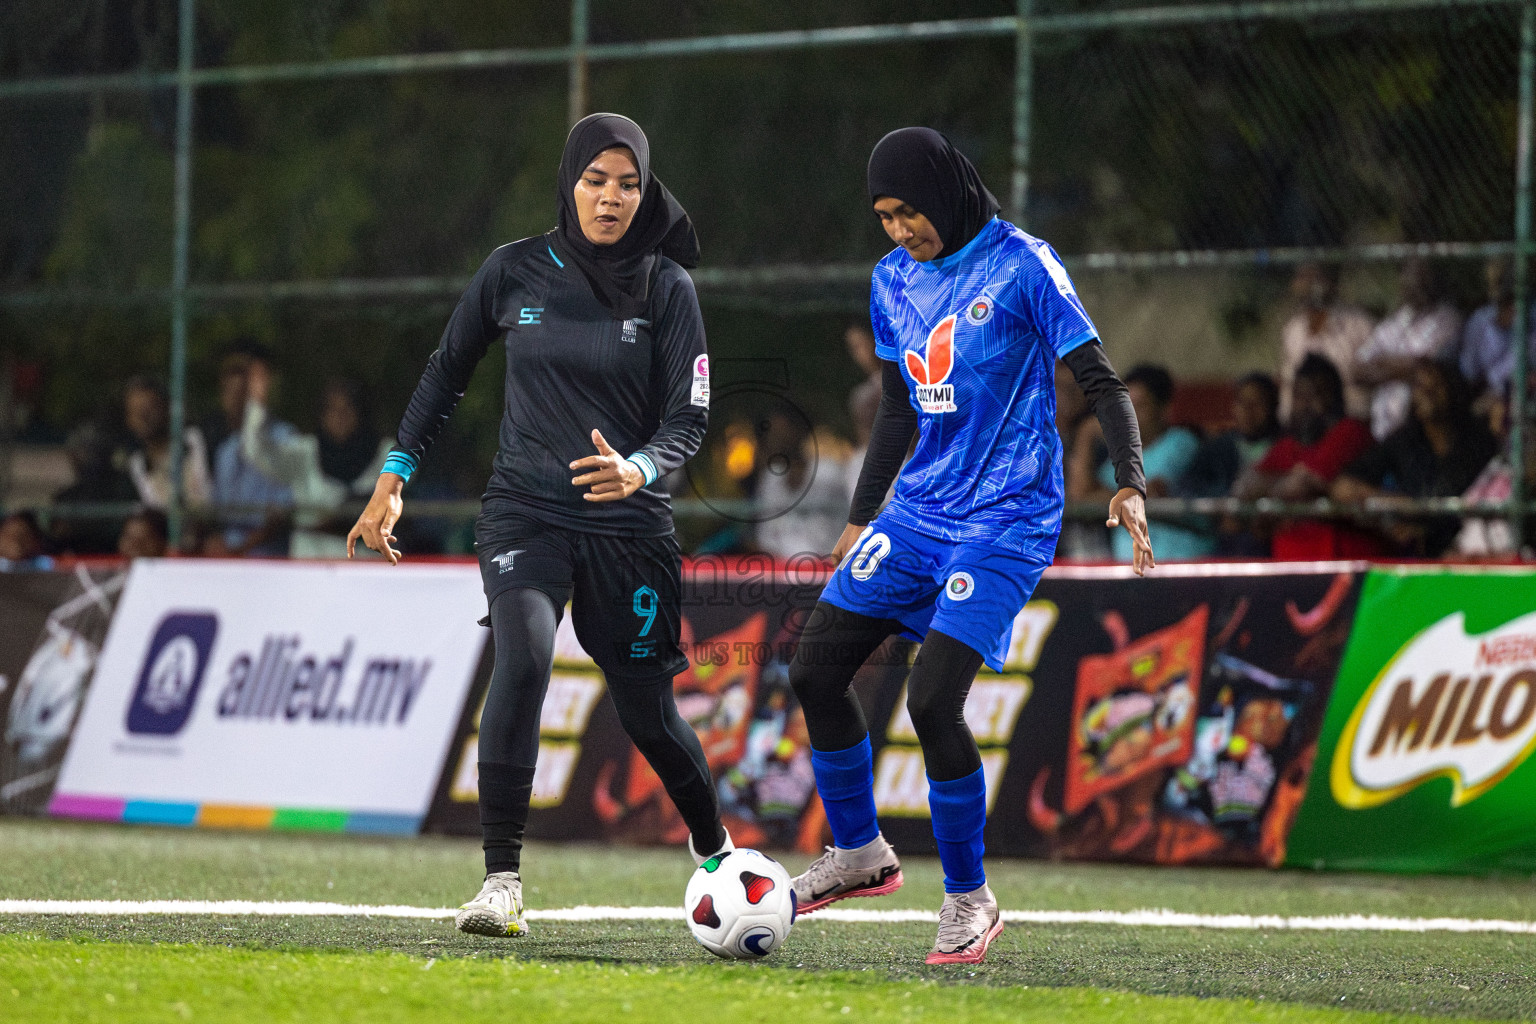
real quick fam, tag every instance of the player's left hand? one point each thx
(1127, 508)
(611, 476)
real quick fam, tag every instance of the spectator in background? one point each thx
(98, 479)
(146, 417)
(1303, 464)
(1487, 357)
(235, 480)
(1323, 326)
(1425, 325)
(23, 545)
(1227, 456)
(1438, 453)
(144, 535)
(322, 470)
(801, 493)
(1166, 453)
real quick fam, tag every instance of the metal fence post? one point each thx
(1023, 98)
(1518, 329)
(577, 90)
(183, 230)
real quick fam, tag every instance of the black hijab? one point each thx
(920, 167)
(620, 274)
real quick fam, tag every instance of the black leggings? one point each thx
(836, 642)
(523, 623)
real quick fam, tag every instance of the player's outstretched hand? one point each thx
(1129, 509)
(846, 542)
(611, 476)
(376, 526)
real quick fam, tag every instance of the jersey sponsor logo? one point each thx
(931, 369)
(504, 562)
(700, 393)
(631, 329)
(1057, 271)
(172, 673)
(1450, 706)
(979, 312)
(530, 315)
(960, 586)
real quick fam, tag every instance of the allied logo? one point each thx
(1449, 706)
(504, 562)
(979, 312)
(172, 673)
(931, 369)
(960, 586)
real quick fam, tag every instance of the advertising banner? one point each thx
(1169, 719)
(1424, 760)
(278, 695)
(54, 625)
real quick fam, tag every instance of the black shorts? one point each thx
(625, 592)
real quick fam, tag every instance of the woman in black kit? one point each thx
(605, 350)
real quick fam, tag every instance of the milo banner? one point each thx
(1424, 760)
(53, 627)
(1169, 719)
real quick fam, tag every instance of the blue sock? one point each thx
(846, 781)
(959, 809)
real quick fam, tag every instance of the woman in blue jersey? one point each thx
(970, 315)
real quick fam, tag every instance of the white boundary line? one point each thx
(1125, 919)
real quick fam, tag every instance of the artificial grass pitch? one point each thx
(315, 968)
(45, 980)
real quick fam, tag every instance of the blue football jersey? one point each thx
(977, 335)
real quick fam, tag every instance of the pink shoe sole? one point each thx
(974, 955)
(885, 888)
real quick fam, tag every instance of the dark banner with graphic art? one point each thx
(53, 627)
(1170, 719)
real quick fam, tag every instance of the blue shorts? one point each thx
(969, 591)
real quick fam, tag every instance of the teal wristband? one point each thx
(402, 464)
(647, 468)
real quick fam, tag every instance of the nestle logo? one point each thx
(171, 674)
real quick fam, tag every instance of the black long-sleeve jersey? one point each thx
(571, 367)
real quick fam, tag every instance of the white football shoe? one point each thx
(871, 870)
(700, 859)
(498, 910)
(968, 922)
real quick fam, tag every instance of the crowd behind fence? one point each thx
(1412, 436)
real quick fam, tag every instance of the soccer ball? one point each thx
(740, 905)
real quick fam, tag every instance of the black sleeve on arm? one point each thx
(1111, 403)
(889, 439)
(675, 376)
(470, 331)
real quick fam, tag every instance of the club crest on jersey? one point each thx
(960, 586)
(979, 312)
(931, 369)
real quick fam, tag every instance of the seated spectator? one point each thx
(1227, 456)
(23, 545)
(801, 494)
(1303, 464)
(1487, 355)
(98, 480)
(144, 535)
(1324, 326)
(237, 482)
(342, 460)
(1438, 453)
(1166, 453)
(1424, 326)
(146, 417)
